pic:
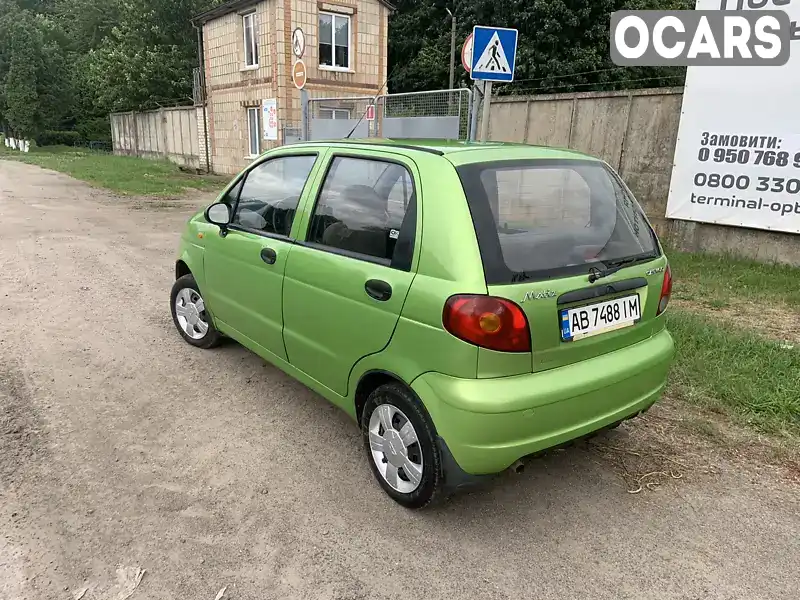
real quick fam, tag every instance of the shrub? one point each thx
(95, 129)
(58, 138)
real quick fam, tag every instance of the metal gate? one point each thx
(441, 114)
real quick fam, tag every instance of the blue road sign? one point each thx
(494, 53)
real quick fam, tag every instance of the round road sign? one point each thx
(466, 53)
(298, 42)
(299, 74)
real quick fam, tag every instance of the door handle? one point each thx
(269, 256)
(378, 290)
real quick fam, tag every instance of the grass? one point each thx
(736, 372)
(122, 174)
(720, 280)
(726, 362)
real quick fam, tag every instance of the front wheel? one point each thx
(400, 443)
(190, 316)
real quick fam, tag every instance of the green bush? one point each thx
(58, 138)
(95, 129)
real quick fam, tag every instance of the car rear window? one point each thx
(538, 219)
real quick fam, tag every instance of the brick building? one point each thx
(247, 59)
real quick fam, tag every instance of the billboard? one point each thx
(737, 158)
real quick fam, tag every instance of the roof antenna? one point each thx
(375, 99)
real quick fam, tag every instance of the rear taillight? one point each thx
(488, 322)
(666, 291)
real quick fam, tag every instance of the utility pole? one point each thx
(452, 48)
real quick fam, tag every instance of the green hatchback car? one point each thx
(467, 304)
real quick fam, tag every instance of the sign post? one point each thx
(494, 56)
(487, 108)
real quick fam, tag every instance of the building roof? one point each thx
(234, 5)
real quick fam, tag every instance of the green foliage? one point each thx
(35, 92)
(736, 372)
(58, 138)
(82, 59)
(558, 39)
(147, 59)
(85, 58)
(724, 279)
(21, 97)
(95, 129)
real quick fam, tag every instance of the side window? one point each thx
(233, 195)
(270, 194)
(367, 207)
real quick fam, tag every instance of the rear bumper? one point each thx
(488, 424)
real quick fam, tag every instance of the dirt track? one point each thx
(121, 448)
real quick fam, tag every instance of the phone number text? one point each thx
(778, 185)
(733, 156)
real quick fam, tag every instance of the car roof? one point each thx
(458, 151)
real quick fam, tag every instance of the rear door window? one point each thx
(537, 219)
(366, 209)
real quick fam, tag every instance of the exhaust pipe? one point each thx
(517, 468)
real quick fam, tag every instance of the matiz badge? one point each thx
(655, 271)
(539, 295)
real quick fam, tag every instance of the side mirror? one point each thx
(219, 214)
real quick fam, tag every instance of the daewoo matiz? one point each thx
(467, 304)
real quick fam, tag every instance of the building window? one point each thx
(250, 40)
(334, 113)
(334, 41)
(254, 130)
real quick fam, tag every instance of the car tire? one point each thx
(407, 462)
(190, 316)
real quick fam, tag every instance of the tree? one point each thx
(35, 93)
(86, 22)
(147, 59)
(563, 44)
(20, 89)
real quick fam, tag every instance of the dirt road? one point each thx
(122, 448)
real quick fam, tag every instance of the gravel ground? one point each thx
(124, 449)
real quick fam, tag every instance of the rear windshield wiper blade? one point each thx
(520, 276)
(615, 266)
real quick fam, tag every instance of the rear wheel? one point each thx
(190, 316)
(400, 443)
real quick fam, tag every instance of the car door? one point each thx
(244, 266)
(347, 280)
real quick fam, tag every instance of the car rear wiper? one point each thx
(520, 276)
(614, 266)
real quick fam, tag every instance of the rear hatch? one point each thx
(566, 240)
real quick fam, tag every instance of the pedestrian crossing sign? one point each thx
(494, 53)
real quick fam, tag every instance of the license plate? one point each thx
(586, 321)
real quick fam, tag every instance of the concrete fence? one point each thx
(169, 133)
(635, 132)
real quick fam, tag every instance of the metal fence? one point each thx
(335, 118)
(435, 114)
